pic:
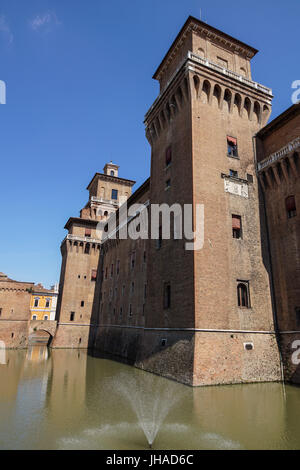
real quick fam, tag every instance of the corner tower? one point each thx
(77, 301)
(209, 316)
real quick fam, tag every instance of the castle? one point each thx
(230, 311)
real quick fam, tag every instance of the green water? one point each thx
(66, 399)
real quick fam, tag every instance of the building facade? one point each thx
(79, 299)
(43, 303)
(278, 165)
(14, 312)
(201, 317)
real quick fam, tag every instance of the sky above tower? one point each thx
(78, 78)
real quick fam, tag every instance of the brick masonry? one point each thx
(202, 336)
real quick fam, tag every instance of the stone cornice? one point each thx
(194, 25)
(283, 152)
(110, 178)
(80, 221)
(77, 238)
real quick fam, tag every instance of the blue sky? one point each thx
(79, 81)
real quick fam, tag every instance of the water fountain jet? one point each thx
(150, 398)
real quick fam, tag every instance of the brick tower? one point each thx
(80, 250)
(208, 315)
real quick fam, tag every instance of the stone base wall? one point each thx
(290, 351)
(120, 342)
(168, 353)
(221, 358)
(14, 334)
(195, 358)
(70, 336)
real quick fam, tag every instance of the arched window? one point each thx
(36, 302)
(45, 317)
(34, 317)
(87, 249)
(243, 294)
(112, 173)
(47, 303)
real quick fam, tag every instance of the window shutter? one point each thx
(236, 222)
(232, 141)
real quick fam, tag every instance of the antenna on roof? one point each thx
(205, 21)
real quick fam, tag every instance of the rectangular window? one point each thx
(233, 174)
(168, 184)
(114, 194)
(232, 149)
(88, 232)
(72, 316)
(290, 205)
(237, 226)
(94, 275)
(168, 156)
(47, 303)
(118, 266)
(249, 178)
(130, 310)
(82, 303)
(36, 302)
(167, 296)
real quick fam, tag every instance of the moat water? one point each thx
(67, 399)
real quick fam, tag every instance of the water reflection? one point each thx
(66, 399)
